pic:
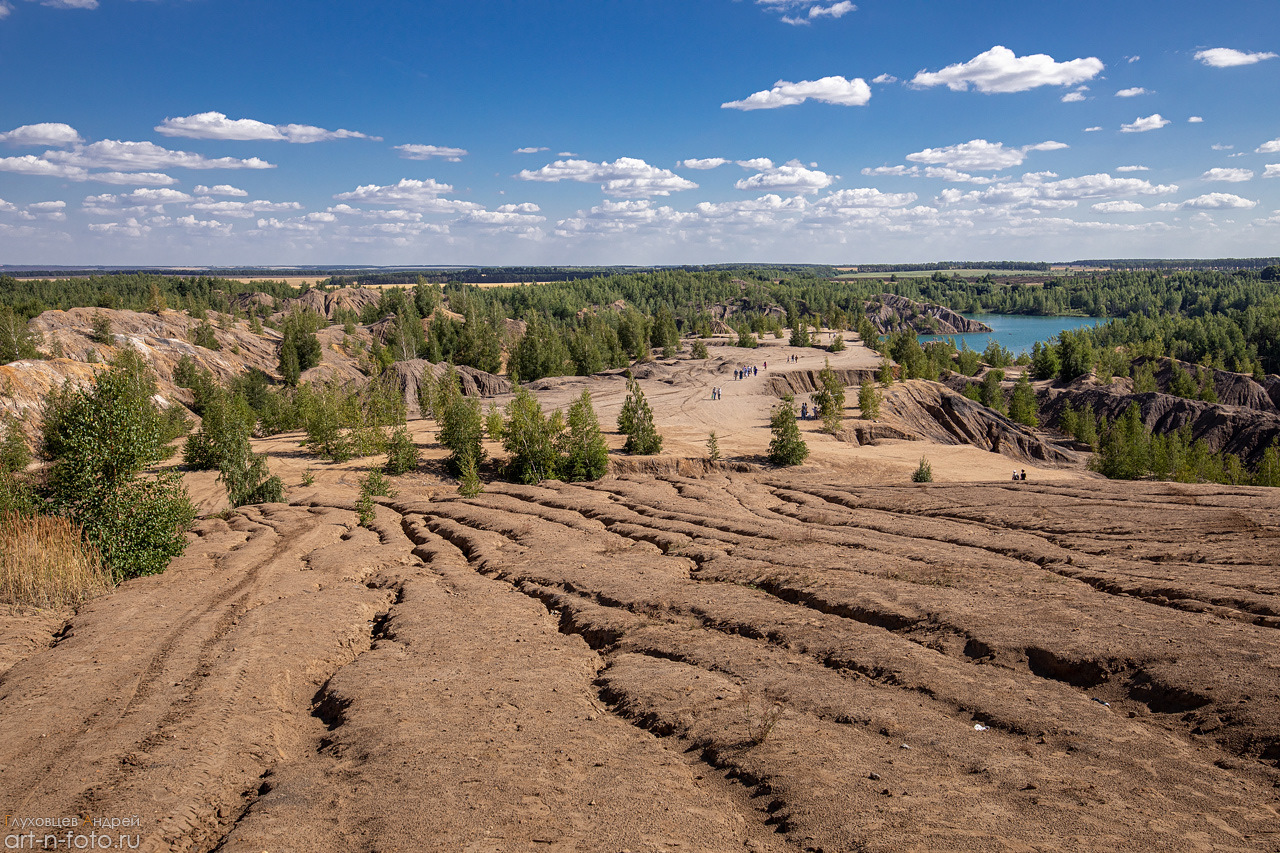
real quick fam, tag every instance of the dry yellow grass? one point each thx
(44, 562)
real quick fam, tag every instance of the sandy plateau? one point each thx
(680, 657)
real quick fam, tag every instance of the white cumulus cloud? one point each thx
(999, 70)
(1217, 201)
(1225, 57)
(243, 209)
(1132, 92)
(1117, 207)
(115, 154)
(1273, 171)
(981, 155)
(1132, 169)
(1142, 125)
(789, 177)
(426, 152)
(828, 90)
(626, 177)
(530, 150)
(704, 163)
(220, 189)
(1272, 147)
(1073, 97)
(1229, 175)
(409, 192)
(45, 134)
(214, 125)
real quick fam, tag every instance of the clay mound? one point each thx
(931, 411)
(162, 340)
(890, 313)
(1233, 389)
(794, 382)
(384, 329)
(327, 303)
(408, 376)
(1243, 431)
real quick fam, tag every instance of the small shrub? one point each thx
(469, 484)
(15, 455)
(837, 343)
(759, 724)
(101, 333)
(698, 350)
(309, 477)
(494, 426)
(713, 447)
(923, 472)
(203, 336)
(402, 453)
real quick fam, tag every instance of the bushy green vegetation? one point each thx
(1129, 451)
(786, 447)
(98, 442)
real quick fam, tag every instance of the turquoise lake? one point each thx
(1017, 332)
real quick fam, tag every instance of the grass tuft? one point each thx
(45, 563)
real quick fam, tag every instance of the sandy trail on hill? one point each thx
(826, 658)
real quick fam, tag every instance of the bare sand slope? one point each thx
(566, 668)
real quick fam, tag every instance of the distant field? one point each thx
(967, 273)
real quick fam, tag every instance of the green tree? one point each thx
(224, 418)
(869, 400)
(1125, 451)
(1144, 379)
(1075, 355)
(829, 399)
(16, 340)
(967, 361)
(786, 447)
(461, 421)
(1022, 403)
(990, 393)
(636, 422)
(923, 472)
(698, 350)
(713, 447)
(1044, 361)
(800, 334)
(585, 453)
(885, 374)
(530, 438)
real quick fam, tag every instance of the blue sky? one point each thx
(228, 132)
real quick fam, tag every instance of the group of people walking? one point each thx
(744, 372)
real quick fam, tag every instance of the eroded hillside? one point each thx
(587, 667)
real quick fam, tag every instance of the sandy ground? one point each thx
(823, 658)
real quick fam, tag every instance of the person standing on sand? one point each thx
(1024, 473)
(1016, 478)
